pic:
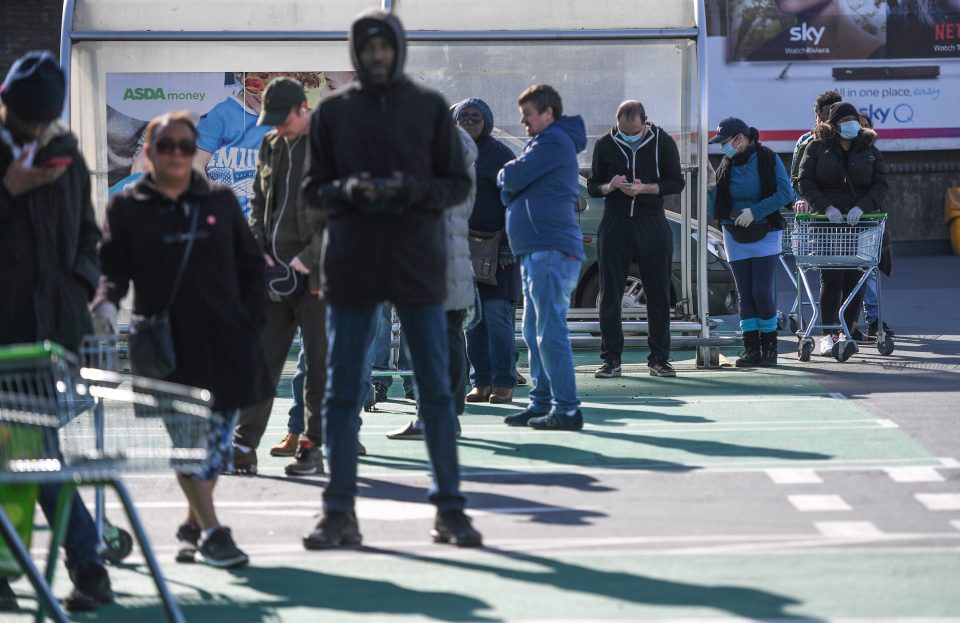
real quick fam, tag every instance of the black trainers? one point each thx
(91, 588)
(454, 527)
(244, 461)
(380, 391)
(521, 380)
(335, 529)
(608, 370)
(661, 368)
(857, 336)
(219, 550)
(308, 460)
(8, 599)
(188, 534)
(413, 430)
(522, 418)
(872, 329)
(557, 421)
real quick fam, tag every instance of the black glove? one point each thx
(360, 190)
(505, 256)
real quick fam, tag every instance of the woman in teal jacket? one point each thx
(752, 186)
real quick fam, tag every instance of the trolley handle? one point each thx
(809, 216)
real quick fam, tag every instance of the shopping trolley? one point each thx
(48, 435)
(819, 245)
(786, 251)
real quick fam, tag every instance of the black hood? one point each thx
(373, 23)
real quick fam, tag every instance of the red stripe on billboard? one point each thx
(883, 133)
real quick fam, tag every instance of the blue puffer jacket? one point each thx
(540, 190)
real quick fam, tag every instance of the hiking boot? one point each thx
(335, 529)
(501, 396)
(521, 419)
(380, 391)
(287, 446)
(454, 527)
(873, 329)
(188, 534)
(557, 421)
(751, 350)
(521, 380)
(307, 460)
(244, 461)
(826, 345)
(608, 370)
(219, 550)
(661, 368)
(8, 599)
(91, 588)
(479, 393)
(769, 349)
(413, 430)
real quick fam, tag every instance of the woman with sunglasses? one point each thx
(216, 313)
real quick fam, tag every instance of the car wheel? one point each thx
(633, 298)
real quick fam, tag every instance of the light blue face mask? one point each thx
(728, 149)
(849, 130)
(631, 139)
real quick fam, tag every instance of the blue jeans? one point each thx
(871, 302)
(350, 330)
(491, 346)
(295, 424)
(549, 278)
(755, 279)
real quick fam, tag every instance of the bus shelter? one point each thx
(130, 60)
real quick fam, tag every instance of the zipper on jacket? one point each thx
(633, 174)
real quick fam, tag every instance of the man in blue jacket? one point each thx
(540, 191)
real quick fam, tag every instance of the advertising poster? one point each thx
(227, 106)
(898, 61)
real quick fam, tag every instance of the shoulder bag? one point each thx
(484, 253)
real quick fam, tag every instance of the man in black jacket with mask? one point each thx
(634, 166)
(385, 161)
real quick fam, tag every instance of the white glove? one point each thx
(105, 318)
(745, 218)
(833, 215)
(853, 216)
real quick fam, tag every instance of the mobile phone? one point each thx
(57, 161)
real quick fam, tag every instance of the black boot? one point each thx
(751, 350)
(768, 349)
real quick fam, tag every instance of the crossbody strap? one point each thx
(194, 218)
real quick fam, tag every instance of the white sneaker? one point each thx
(826, 346)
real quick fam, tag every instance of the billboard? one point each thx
(898, 61)
(227, 106)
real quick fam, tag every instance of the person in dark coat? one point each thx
(842, 175)
(491, 344)
(385, 162)
(216, 315)
(49, 272)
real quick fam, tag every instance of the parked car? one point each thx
(721, 291)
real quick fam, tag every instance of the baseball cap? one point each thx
(728, 128)
(279, 98)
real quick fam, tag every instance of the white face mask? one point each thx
(849, 129)
(728, 149)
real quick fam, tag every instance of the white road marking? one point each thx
(818, 503)
(847, 529)
(914, 474)
(939, 501)
(786, 476)
(950, 462)
(888, 424)
(837, 396)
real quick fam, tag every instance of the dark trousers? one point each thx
(309, 313)
(835, 287)
(754, 277)
(457, 351)
(647, 241)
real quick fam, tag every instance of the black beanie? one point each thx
(34, 87)
(842, 109)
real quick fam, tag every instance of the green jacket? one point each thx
(280, 170)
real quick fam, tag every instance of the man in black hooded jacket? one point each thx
(384, 162)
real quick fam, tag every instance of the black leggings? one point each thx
(835, 287)
(754, 277)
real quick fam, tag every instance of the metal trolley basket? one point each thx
(52, 415)
(818, 245)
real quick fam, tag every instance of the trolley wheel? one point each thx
(118, 544)
(886, 346)
(805, 349)
(845, 349)
(794, 323)
(781, 320)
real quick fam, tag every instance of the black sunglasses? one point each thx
(469, 119)
(167, 146)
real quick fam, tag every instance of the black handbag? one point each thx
(745, 235)
(150, 341)
(484, 254)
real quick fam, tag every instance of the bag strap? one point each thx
(194, 218)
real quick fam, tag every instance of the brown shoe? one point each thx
(287, 447)
(502, 395)
(480, 393)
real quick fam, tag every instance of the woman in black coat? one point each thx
(842, 175)
(491, 344)
(216, 314)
